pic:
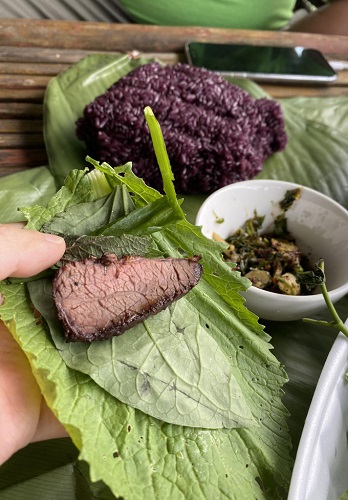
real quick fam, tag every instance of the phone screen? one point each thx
(262, 62)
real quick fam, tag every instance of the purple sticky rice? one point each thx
(215, 132)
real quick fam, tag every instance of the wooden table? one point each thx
(34, 51)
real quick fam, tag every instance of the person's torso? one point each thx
(239, 14)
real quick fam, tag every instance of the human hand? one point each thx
(24, 415)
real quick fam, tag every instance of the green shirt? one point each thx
(242, 14)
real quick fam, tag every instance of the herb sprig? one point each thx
(336, 322)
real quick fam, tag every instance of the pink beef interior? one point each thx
(99, 298)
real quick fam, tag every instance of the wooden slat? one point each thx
(37, 68)
(15, 54)
(22, 95)
(20, 126)
(342, 79)
(284, 91)
(29, 60)
(21, 159)
(22, 141)
(23, 81)
(19, 88)
(122, 37)
(20, 109)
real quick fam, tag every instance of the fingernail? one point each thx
(52, 238)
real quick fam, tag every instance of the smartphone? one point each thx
(262, 63)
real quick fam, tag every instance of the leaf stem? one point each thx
(337, 323)
(162, 159)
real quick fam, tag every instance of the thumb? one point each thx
(24, 252)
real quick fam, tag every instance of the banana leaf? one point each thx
(33, 186)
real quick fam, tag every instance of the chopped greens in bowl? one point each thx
(317, 223)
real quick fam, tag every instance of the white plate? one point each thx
(321, 465)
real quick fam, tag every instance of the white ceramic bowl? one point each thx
(321, 465)
(318, 223)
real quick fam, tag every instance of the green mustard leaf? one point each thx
(259, 455)
(169, 366)
(140, 457)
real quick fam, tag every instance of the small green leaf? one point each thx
(145, 220)
(77, 189)
(311, 279)
(83, 247)
(84, 218)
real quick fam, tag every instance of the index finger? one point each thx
(24, 252)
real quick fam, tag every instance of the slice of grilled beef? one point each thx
(99, 298)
